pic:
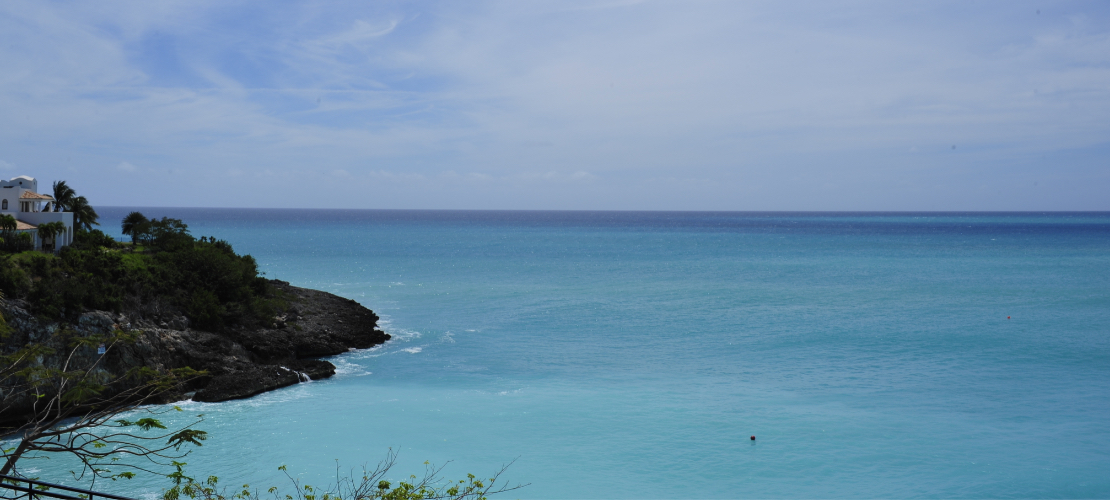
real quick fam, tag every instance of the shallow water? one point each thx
(632, 354)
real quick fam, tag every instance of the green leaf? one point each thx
(147, 424)
(187, 436)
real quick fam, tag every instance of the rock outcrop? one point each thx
(240, 361)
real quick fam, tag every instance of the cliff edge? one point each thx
(240, 361)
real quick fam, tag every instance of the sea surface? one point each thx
(633, 354)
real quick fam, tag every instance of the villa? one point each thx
(19, 198)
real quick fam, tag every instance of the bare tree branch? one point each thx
(77, 409)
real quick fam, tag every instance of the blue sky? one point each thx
(575, 104)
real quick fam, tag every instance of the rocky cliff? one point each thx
(240, 362)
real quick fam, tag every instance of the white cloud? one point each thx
(127, 167)
(6, 166)
(582, 176)
(508, 92)
(359, 33)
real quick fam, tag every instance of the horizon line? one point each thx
(626, 210)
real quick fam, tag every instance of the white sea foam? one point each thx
(278, 396)
(412, 350)
(385, 323)
(403, 335)
(345, 367)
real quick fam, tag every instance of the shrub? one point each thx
(93, 238)
(206, 279)
(14, 242)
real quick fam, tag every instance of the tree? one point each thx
(72, 405)
(63, 196)
(11, 241)
(169, 234)
(49, 230)
(133, 225)
(84, 217)
(66, 200)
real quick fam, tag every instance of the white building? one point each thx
(20, 198)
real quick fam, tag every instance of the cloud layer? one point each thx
(567, 105)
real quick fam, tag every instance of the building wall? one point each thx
(12, 189)
(37, 218)
(21, 181)
(11, 197)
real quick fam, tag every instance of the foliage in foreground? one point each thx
(370, 485)
(76, 409)
(114, 435)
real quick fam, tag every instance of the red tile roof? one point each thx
(31, 195)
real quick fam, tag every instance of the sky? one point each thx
(569, 105)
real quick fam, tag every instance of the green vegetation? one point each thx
(369, 485)
(66, 200)
(48, 231)
(134, 225)
(63, 196)
(10, 240)
(203, 279)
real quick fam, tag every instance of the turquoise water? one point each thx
(631, 355)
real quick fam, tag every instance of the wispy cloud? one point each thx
(603, 95)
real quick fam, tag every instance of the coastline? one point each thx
(240, 362)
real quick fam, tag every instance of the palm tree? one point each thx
(64, 196)
(7, 223)
(132, 225)
(12, 240)
(84, 217)
(49, 230)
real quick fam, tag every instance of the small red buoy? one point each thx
(1007, 317)
(753, 438)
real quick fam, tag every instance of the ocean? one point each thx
(633, 354)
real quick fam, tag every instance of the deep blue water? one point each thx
(632, 354)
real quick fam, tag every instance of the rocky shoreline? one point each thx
(240, 362)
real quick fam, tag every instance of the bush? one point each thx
(93, 239)
(14, 280)
(371, 484)
(15, 242)
(206, 279)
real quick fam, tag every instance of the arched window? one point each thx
(5, 205)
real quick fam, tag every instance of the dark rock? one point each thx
(314, 369)
(247, 383)
(240, 361)
(315, 324)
